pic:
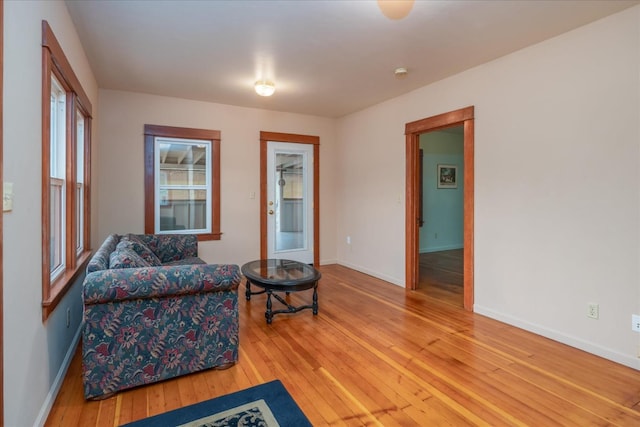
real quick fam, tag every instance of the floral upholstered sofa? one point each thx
(153, 310)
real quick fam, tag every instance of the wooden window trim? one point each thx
(54, 62)
(214, 136)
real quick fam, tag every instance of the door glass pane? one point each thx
(290, 202)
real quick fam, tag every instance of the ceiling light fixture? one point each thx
(395, 9)
(401, 72)
(265, 87)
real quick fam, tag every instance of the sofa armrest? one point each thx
(156, 282)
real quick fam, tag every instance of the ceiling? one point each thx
(327, 58)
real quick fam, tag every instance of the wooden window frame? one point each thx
(54, 62)
(214, 137)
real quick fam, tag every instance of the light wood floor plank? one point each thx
(377, 354)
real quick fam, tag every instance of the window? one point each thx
(182, 181)
(66, 120)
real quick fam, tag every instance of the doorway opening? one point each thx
(465, 118)
(441, 246)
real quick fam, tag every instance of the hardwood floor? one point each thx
(441, 276)
(377, 354)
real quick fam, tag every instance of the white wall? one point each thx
(123, 116)
(34, 351)
(557, 215)
(370, 205)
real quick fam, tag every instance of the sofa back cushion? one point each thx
(130, 241)
(126, 258)
(170, 247)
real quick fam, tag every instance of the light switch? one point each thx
(7, 197)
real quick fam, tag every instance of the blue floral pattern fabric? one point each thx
(170, 247)
(100, 260)
(157, 282)
(126, 258)
(146, 324)
(142, 341)
(140, 248)
(185, 261)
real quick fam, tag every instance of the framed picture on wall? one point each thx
(447, 176)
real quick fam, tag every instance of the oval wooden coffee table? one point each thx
(281, 275)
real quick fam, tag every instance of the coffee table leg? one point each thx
(268, 314)
(315, 299)
(247, 292)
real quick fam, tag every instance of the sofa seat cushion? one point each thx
(185, 261)
(131, 241)
(126, 258)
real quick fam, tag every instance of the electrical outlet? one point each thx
(348, 240)
(593, 311)
(635, 322)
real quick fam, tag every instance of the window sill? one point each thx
(62, 285)
(211, 236)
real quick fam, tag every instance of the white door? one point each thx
(290, 201)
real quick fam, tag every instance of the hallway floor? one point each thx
(441, 276)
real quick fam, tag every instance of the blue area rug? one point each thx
(265, 405)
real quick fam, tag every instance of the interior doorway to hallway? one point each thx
(441, 225)
(413, 130)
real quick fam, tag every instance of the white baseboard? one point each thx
(376, 274)
(328, 261)
(57, 382)
(572, 341)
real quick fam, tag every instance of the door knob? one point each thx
(270, 211)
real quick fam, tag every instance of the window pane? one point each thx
(57, 153)
(183, 210)
(183, 164)
(58, 129)
(79, 147)
(57, 227)
(79, 218)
